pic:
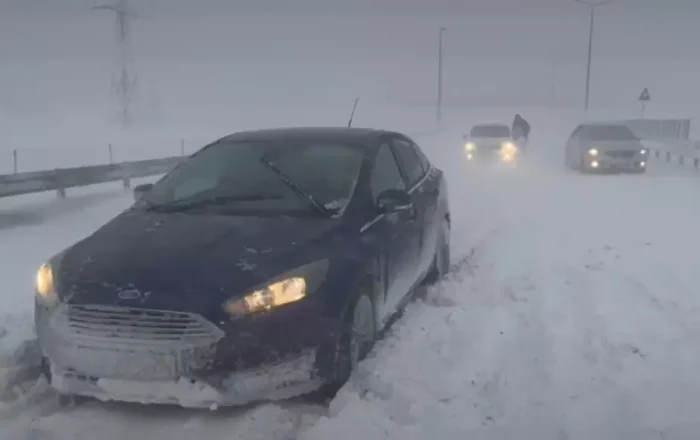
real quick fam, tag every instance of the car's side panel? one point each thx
(396, 236)
(432, 213)
(421, 194)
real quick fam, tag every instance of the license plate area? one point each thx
(121, 364)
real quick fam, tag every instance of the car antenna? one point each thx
(352, 114)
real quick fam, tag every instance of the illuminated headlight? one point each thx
(470, 147)
(45, 286)
(643, 152)
(508, 147)
(594, 164)
(508, 151)
(507, 156)
(593, 152)
(642, 164)
(274, 295)
(287, 289)
(470, 156)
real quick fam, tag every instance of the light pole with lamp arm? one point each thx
(592, 6)
(439, 81)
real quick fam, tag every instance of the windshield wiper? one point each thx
(218, 200)
(318, 206)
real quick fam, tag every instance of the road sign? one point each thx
(645, 95)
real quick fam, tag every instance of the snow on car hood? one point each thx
(172, 258)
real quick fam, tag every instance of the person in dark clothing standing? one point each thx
(520, 130)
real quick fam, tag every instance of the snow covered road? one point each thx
(575, 319)
(571, 314)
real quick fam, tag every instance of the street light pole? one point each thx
(439, 81)
(592, 6)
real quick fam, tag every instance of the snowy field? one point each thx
(570, 313)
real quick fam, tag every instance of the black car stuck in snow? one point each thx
(261, 267)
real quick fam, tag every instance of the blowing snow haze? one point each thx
(569, 309)
(207, 62)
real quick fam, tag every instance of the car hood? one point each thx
(180, 261)
(489, 142)
(615, 145)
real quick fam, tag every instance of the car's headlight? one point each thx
(643, 151)
(508, 146)
(593, 152)
(470, 147)
(286, 289)
(45, 285)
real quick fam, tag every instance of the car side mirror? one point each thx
(394, 200)
(140, 190)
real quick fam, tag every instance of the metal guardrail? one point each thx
(676, 129)
(63, 178)
(682, 153)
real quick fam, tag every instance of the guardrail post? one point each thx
(696, 163)
(14, 161)
(111, 155)
(61, 192)
(657, 153)
(681, 160)
(182, 147)
(668, 156)
(127, 182)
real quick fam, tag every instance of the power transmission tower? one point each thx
(124, 82)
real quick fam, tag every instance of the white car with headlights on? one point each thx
(491, 143)
(598, 147)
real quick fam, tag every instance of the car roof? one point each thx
(348, 134)
(492, 124)
(604, 124)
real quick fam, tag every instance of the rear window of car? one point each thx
(608, 133)
(494, 131)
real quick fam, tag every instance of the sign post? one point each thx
(643, 99)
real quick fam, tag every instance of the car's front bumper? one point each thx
(617, 165)
(602, 163)
(281, 380)
(493, 157)
(147, 356)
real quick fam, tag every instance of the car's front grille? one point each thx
(127, 326)
(621, 154)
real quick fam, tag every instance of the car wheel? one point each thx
(355, 342)
(441, 260)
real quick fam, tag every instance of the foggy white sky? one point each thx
(655, 29)
(205, 54)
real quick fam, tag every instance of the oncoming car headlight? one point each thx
(470, 147)
(593, 152)
(289, 288)
(45, 286)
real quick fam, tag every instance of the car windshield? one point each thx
(608, 133)
(490, 131)
(266, 177)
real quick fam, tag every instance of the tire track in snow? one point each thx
(511, 356)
